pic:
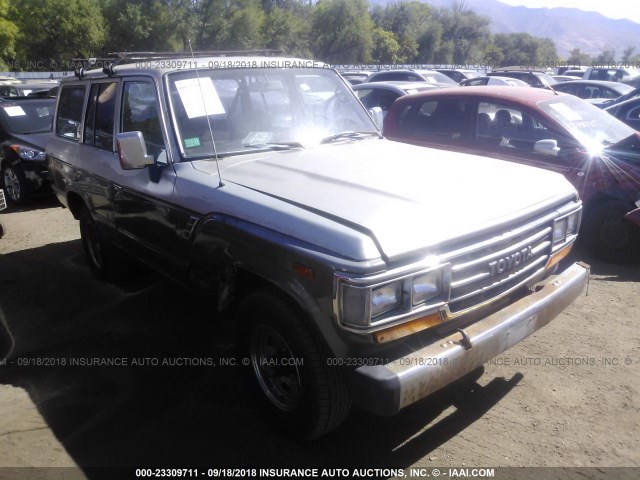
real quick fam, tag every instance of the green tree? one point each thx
(605, 57)
(143, 25)
(627, 54)
(414, 27)
(464, 32)
(286, 30)
(386, 48)
(245, 29)
(55, 31)
(8, 34)
(577, 58)
(522, 49)
(342, 31)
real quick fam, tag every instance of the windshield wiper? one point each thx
(275, 146)
(351, 135)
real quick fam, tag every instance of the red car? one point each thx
(596, 152)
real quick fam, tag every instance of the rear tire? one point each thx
(288, 371)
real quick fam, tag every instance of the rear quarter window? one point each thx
(69, 117)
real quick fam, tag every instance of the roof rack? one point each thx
(117, 58)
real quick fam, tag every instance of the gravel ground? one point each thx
(566, 397)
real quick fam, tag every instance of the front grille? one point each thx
(487, 269)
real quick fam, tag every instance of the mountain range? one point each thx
(569, 28)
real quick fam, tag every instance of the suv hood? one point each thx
(406, 198)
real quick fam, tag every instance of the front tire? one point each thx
(105, 260)
(288, 371)
(15, 184)
(609, 235)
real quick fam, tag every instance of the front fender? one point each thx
(224, 246)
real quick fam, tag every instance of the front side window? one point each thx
(70, 111)
(235, 111)
(98, 127)
(140, 113)
(509, 127)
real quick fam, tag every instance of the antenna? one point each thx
(206, 114)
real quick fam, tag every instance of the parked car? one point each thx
(635, 93)
(630, 76)
(403, 75)
(25, 126)
(495, 80)
(347, 259)
(355, 78)
(383, 94)
(596, 92)
(535, 79)
(596, 152)
(458, 74)
(627, 112)
(3, 205)
(24, 89)
(564, 78)
(574, 71)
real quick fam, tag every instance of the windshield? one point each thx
(260, 108)
(27, 117)
(589, 124)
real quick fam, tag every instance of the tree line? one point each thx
(48, 34)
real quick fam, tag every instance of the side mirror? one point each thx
(132, 151)
(548, 147)
(376, 115)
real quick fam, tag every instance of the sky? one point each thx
(608, 8)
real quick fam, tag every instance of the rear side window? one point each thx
(444, 119)
(70, 112)
(98, 128)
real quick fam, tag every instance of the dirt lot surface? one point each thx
(567, 396)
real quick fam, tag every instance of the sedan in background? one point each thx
(627, 112)
(25, 125)
(533, 78)
(596, 152)
(407, 75)
(597, 92)
(458, 74)
(505, 81)
(383, 94)
(355, 78)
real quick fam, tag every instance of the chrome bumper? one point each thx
(385, 389)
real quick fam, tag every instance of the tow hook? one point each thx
(466, 340)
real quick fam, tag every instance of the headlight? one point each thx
(362, 306)
(385, 298)
(426, 286)
(28, 153)
(566, 227)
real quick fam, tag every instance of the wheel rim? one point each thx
(12, 184)
(275, 368)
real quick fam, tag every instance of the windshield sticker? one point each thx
(43, 112)
(566, 112)
(14, 111)
(192, 97)
(191, 142)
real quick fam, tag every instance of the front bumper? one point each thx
(386, 389)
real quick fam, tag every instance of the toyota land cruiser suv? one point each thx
(359, 272)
